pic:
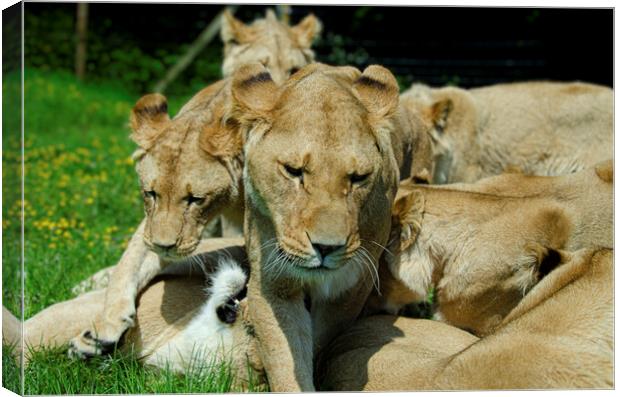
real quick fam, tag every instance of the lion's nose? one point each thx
(325, 249)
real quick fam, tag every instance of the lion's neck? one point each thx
(426, 258)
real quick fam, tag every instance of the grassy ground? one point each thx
(81, 206)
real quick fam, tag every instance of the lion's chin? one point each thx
(176, 255)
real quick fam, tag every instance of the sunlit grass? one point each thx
(81, 206)
(50, 371)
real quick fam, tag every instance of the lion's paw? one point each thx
(86, 346)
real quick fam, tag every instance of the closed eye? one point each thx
(292, 71)
(293, 172)
(359, 178)
(150, 194)
(195, 200)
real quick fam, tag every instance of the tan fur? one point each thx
(163, 309)
(540, 128)
(282, 49)
(484, 246)
(388, 353)
(559, 336)
(319, 170)
(190, 172)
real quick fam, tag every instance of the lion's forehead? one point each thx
(182, 173)
(270, 51)
(263, 30)
(312, 129)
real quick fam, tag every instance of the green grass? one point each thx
(81, 206)
(51, 372)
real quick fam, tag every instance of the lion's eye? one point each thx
(294, 172)
(150, 194)
(292, 71)
(195, 200)
(233, 42)
(358, 178)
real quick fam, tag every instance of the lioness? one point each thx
(320, 176)
(559, 336)
(539, 128)
(483, 246)
(282, 49)
(190, 172)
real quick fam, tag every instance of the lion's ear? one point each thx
(232, 31)
(307, 30)
(349, 74)
(440, 111)
(222, 137)
(407, 214)
(254, 93)
(147, 117)
(377, 89)
(605, 171)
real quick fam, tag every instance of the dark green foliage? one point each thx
(113, 55)
(10, 370)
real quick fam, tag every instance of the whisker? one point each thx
(200, 263)
(284, 261)
(364, 264)
(269, 242)
(379, 245)
(373, 270)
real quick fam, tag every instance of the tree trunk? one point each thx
(285, 13)
(194, 49)
(80, 32)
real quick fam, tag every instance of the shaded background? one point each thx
(136, 43)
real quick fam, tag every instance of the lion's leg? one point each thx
(53, 326)
(57, 324)
(283, 331)
(136, 268)
(97, 281)
(329, 319)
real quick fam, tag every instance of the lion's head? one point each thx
(320, 174)
(282, 49)
(189, 166)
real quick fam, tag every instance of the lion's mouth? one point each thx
(175, 253)
(300, 260)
